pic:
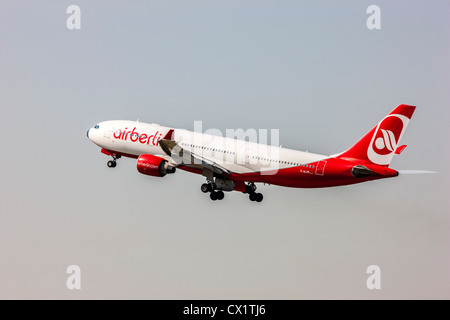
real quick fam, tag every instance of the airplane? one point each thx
(230, 164)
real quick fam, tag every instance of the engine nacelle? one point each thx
(153, 166)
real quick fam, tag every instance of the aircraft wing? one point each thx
(183, 157)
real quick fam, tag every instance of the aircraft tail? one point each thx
(380, 144)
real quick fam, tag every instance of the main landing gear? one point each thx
(216, 194)
(258, 197)
(253, 195)
(112, 163)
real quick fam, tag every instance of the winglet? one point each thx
(168, 135)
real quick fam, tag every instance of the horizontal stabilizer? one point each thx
(400, 149)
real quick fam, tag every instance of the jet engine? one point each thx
(153, 166)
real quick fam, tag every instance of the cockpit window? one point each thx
(96, 126)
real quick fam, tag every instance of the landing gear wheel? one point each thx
(111, 164)
(205, 188)
(213, 196)
(258, 197)
(220, 195)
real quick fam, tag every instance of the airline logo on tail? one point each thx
(387, 141)
(384, 141)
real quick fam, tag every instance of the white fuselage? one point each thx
(137, 138)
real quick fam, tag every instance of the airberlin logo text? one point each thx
(134, 136)
(148, 165)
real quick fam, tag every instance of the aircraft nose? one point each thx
(87, 133)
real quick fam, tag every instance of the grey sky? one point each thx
(309, 68)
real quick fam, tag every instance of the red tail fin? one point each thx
(379, 144)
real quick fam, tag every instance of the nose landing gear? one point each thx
(112, 163)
